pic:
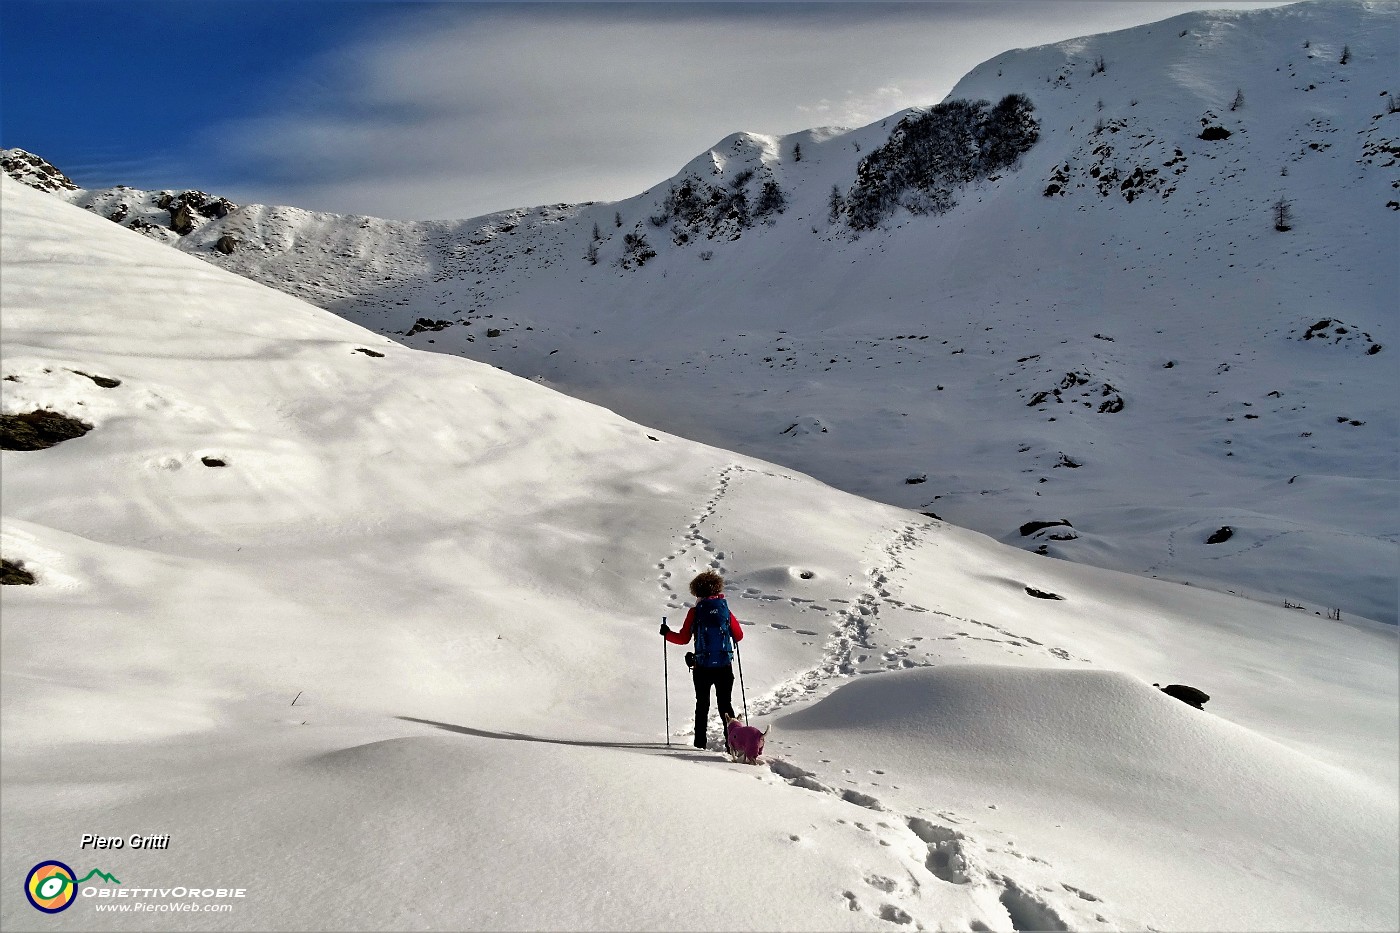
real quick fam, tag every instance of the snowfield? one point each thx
(394, 663)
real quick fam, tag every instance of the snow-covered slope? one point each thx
(371, 634)
(1111, 332)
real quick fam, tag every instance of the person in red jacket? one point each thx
(715, 630)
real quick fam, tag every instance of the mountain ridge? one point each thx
(1136, 350)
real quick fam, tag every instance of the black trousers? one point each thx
(722, 679)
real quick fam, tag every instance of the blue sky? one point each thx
(434, 110)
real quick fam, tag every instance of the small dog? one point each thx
(745, 742)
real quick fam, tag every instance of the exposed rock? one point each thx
(207, 205)
(1030, 528)
(1111, 167)
(367, 352)
(226, 244)
(33, 171)
(1214, 133)
(38, 430)
(915, 479)
(426, 324)
(1079, 385)
(102, 381)
(181, 219)
(212, 461)
(1041, 594)
(805, 425)
(1188, 695)
(13, 572)
(1337, 333)
(1220, 535)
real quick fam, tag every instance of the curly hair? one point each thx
(706, 585)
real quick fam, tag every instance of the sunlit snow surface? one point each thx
(395, 666)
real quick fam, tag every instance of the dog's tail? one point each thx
(766, 728)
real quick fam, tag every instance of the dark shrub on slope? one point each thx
(930, 155)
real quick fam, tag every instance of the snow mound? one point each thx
(1094, 762)
(1063, 727)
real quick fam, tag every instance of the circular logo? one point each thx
(51, 886)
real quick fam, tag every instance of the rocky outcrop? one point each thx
(1337, 333)
(13, 572)
(1188, 695)
(1084, 388)
(181, 219)
(156, 214)
(426, 324)
(1030, 528)
(33, 171)
(38, 430)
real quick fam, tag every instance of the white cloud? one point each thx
(458, 110)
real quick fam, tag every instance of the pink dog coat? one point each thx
(745, 742)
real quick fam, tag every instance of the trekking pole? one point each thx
(666, 668)
(740, 657)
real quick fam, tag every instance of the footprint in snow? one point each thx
(1026, 911)
(861, 800)
(881, 883)
(946, 859)
(894, 914)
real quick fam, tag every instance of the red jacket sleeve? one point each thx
(683, 636)
(734, 628)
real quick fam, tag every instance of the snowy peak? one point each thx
(34, 171)
(1127, 112)
(165, 216)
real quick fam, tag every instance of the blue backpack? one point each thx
(713, 644)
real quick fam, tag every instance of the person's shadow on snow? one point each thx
(687, 754)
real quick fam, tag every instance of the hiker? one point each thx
(715, 629)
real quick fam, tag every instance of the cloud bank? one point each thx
(456, 110)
